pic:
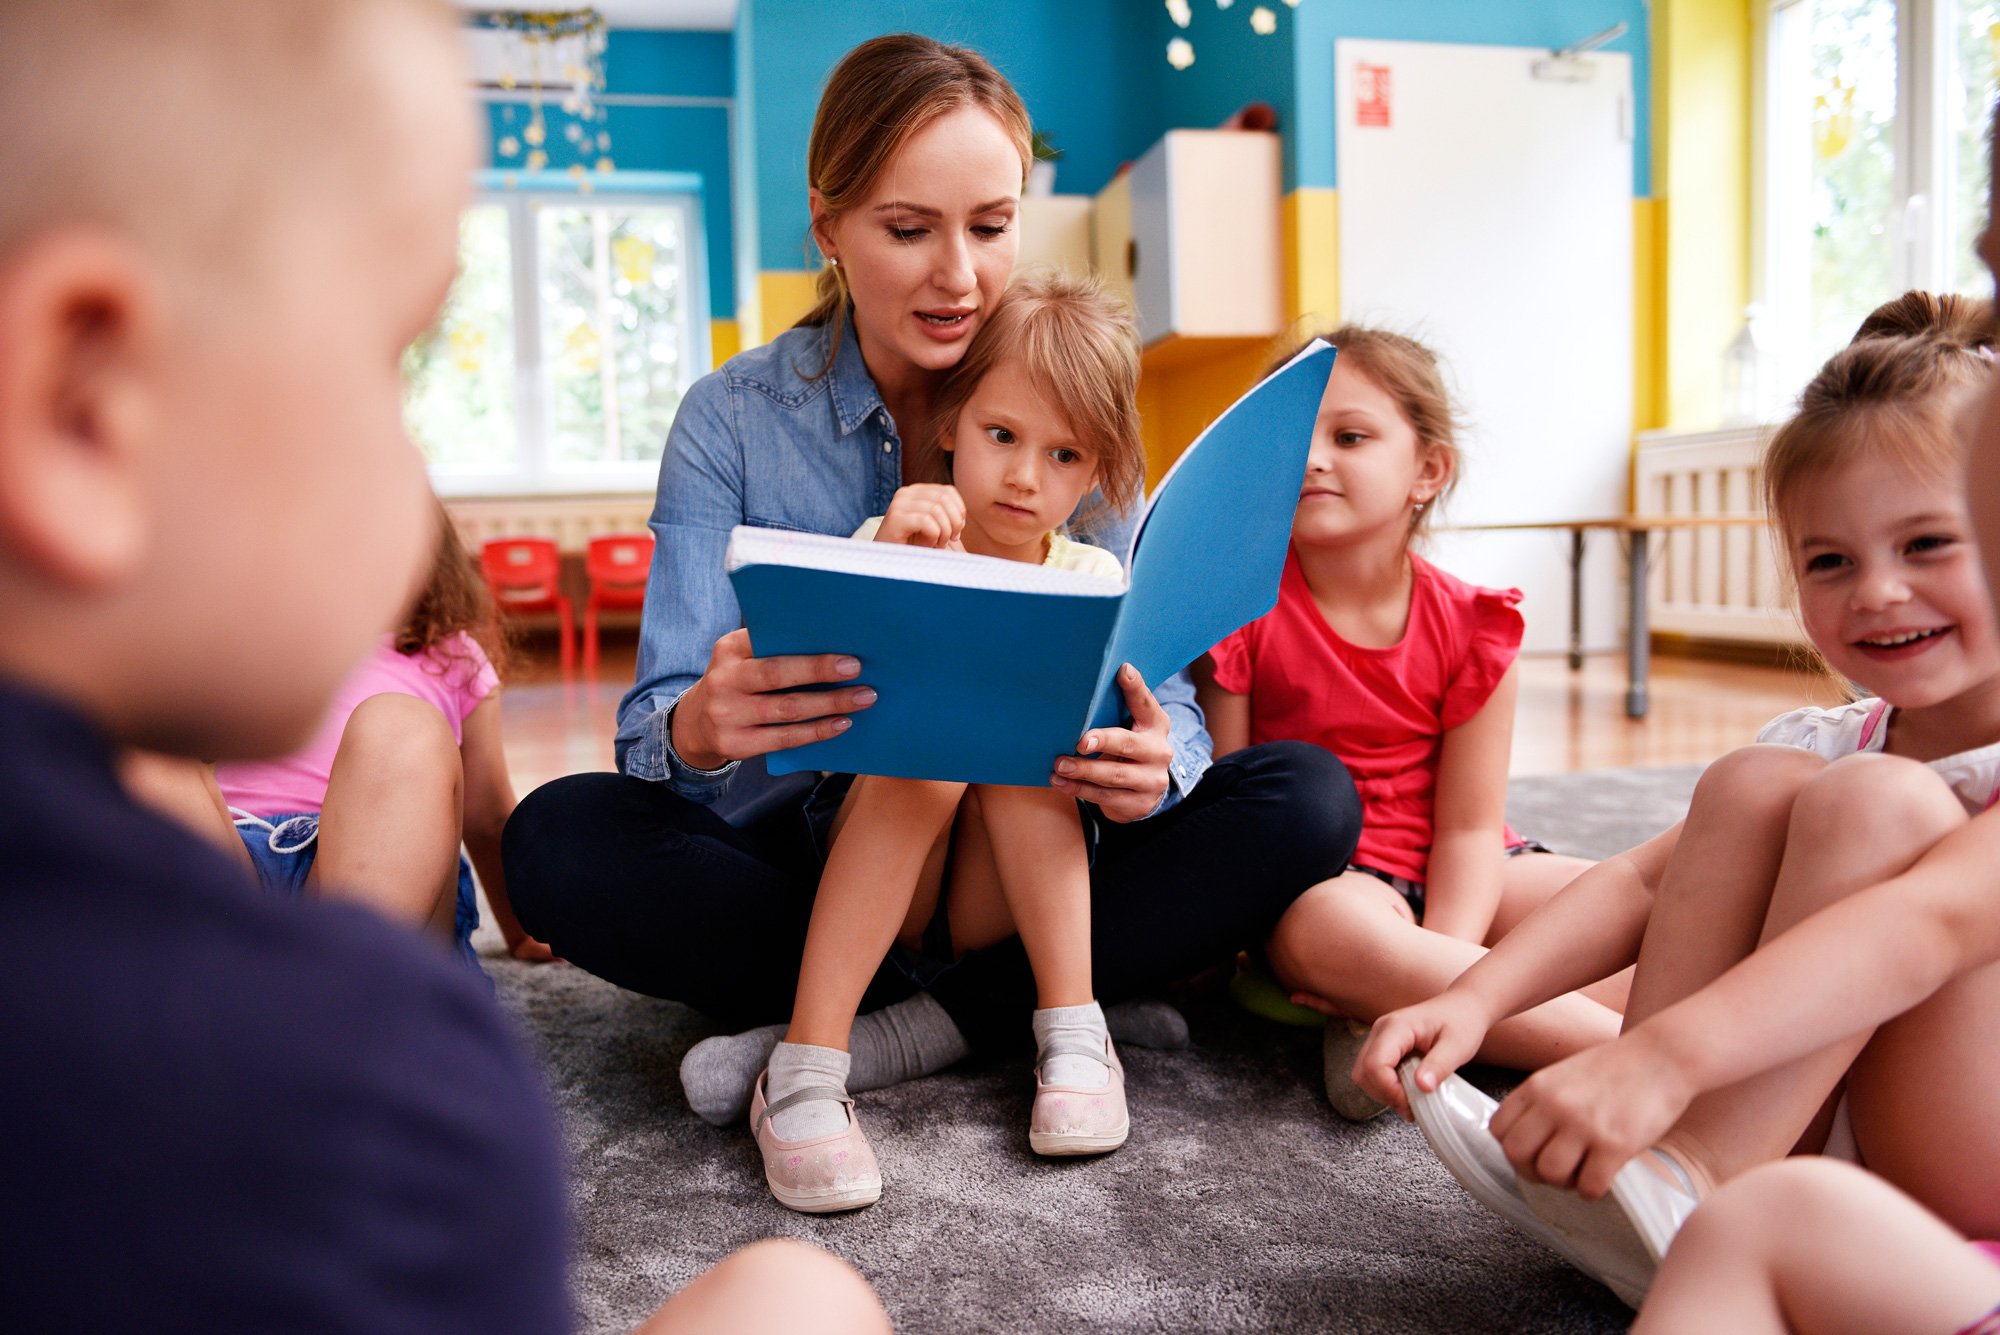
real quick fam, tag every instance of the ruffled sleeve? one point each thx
(1493, 643)
(1234, 661)
(468, 671)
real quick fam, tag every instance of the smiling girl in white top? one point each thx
(1817, 942)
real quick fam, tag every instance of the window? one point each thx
(1874, 152)
(573, 329)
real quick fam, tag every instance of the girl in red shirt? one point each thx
(1407, 674)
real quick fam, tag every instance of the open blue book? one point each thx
(988, 670)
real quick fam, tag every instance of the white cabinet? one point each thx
(1055, 233)
(1203, 255)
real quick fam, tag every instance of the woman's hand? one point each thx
(1129, 779)
(1447, 1029)
(924, 514)
(1575, 1124)
(745, 706)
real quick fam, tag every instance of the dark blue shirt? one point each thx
(224, 1112)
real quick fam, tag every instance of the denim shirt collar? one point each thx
(855, 398)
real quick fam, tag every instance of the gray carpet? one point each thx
(1240, 1203)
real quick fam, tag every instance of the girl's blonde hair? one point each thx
(1079, 347)
(881, 93)
(1407, 372)
(1889, 392)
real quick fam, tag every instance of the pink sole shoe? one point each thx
(821, 1175)
(1069, 1120)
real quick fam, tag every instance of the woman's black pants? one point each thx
(655, 893)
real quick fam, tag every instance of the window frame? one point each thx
(1921, 222)
(523, 194)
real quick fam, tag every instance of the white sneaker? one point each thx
(1617, 1240)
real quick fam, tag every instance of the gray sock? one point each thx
(912, 1038)
(719, 1074)
(1073, 1027)
(797, 1066)
(1148, 1023)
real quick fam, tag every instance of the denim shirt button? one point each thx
(888, 448)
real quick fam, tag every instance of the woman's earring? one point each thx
(833, 260)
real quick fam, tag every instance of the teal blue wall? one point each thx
(1094, 74)
(681, 139)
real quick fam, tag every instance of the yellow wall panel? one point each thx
(1702, 184)
(784, 295)
(1311, 232)
(725, 340)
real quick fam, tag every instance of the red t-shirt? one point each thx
(1384, 712)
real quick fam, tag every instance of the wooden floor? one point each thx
(1566, 720)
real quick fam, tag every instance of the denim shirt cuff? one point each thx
(1184, 771)
(697, 785)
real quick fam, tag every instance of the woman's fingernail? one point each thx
(842, 724)
(847, 667)
(1065, 766)
(865, 696)
(1090, 743)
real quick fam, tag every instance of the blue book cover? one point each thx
(987, 671)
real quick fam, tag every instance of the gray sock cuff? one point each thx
(914, 1037)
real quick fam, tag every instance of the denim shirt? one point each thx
(761, 441)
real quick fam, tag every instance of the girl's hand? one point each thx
(1129, 779)
(1575, 1124)
(1447, 1029)
(924, 514)
(745, 706)
(530, 951)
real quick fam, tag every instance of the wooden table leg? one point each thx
(1639, 650)
(1576, 600)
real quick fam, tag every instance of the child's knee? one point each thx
(1335, 918)
(1879, 799)
(910, 796)
(1758, 780)
(399, 733)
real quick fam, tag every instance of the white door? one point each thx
(1488, 213)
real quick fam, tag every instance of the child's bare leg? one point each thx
(773, 1287)
(1530, 881)
(1858, 822)
(1353, 941)
(389, 829)
(1922, 1096)
(183, 790)
(882, 844)
(1813, 1247)
(1038, 852)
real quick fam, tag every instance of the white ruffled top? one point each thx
(1863, 726)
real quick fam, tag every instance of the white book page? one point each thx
(750, 546)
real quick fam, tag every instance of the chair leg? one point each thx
(568, 633)
(590, 640)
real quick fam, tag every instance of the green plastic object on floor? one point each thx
(1255, 990)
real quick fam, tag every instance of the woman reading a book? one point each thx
(916, 165)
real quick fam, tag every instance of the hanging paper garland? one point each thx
(576, 38)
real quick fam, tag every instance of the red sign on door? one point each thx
(1371, 95)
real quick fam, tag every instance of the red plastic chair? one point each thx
(617, 566)
(525, 575)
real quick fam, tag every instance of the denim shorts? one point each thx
(283, 848)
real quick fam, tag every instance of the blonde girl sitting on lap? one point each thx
(1815, 942)
(1040, 412)
(1408, 675)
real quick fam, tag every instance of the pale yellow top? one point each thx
(1063, 554)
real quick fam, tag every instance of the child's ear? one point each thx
(78, 329)
(1433, 474)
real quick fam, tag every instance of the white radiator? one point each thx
(1723, 582)
(572, 521)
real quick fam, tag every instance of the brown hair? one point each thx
(455, 599)
(1891, 391)
(881, 93)
(1080, 348)
(1407, 372)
